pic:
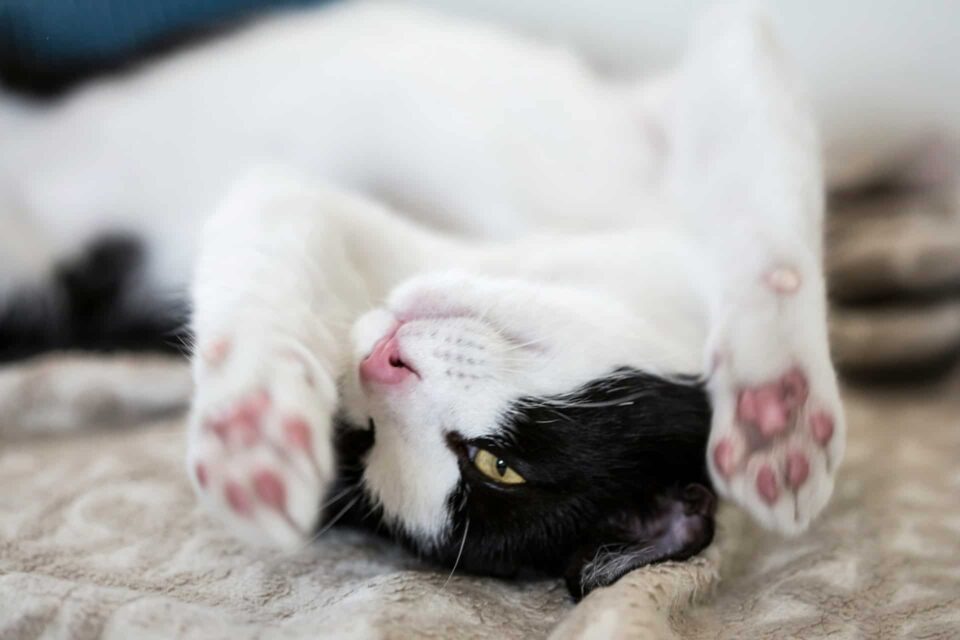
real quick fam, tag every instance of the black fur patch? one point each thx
(86, 306)
(610, 466)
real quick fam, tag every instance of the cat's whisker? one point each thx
(456, 563)
(525, 345)
(374, 507)
(337, 517)
(316, 536)
(340, 495)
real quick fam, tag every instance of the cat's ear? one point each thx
(679, 525)
(740, 137)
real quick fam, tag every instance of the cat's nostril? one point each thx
(385, 365)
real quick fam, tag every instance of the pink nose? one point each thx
(384, 365)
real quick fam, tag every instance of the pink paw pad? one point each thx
(798, 469)
(770, 408)
(201, 473)
(725, 457)
(270, 489)
(297, 432)
(783, 279)
(238, 499)
(761, 408)
(241, 425)
(255, 449)
(821, 425)
(774, 450)
(767, 484)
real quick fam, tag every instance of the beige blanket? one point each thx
(100, 536)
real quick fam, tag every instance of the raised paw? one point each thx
(774, 447)
(261, 458)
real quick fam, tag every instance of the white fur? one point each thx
(684, 193)
(345, 95)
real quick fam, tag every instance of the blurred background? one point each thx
(868, 63)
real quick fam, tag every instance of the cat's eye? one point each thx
(496, 468)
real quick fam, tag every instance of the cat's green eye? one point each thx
(496, 468)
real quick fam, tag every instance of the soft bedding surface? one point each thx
(100, 536)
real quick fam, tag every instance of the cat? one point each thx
(517, 317)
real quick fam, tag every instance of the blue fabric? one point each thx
(51, 32)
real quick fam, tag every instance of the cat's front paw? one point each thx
(775, 446)
(259, 446)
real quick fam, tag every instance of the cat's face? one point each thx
(520, 427)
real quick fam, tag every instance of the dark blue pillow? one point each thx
(54, 38)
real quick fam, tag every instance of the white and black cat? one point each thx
(540, 313)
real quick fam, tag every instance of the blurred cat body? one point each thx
(459, 127)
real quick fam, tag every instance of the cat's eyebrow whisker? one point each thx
(484, 314)
(512, 349)
(526, 344)
(617, 389)
(561, 417)
(574, 403)
(512, 343)
(505, 367)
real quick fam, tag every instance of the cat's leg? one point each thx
(282, 272)
(745, 170)
(777, 436)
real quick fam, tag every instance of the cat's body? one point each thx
(698, 207)
(344, 96)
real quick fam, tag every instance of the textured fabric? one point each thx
(886, 243)
(100, 536)
(884, 560)
(893, 266)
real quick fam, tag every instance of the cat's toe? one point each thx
(260, 461)
(774, 449)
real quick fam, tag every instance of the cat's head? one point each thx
(520, 429)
